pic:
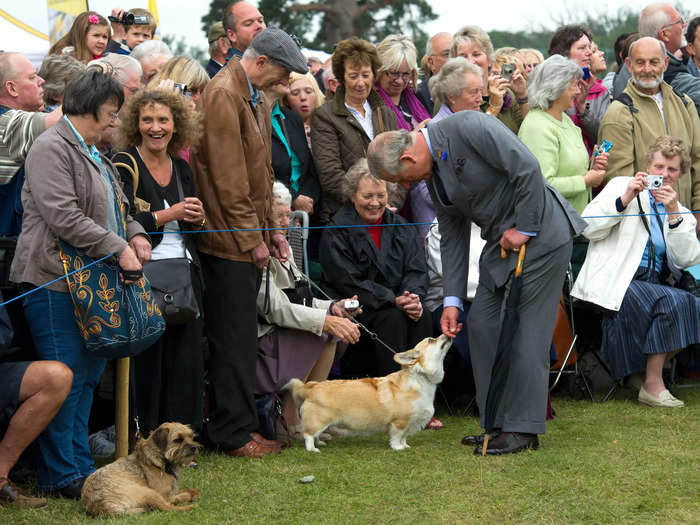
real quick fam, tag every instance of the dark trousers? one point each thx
(397, 330)
(231, 327)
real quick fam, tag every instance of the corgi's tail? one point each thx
(296, 387)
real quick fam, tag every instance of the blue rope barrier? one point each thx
(333, 227)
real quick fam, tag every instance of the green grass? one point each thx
(614, 462)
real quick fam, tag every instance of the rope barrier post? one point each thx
(121, 409)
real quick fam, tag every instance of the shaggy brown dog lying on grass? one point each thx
(147, 478)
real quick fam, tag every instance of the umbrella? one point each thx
(509, 325)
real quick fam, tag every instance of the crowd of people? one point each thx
(425, 174)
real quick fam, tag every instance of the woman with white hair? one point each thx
(505, 99)
(152, 55)
(295, 339)
(396, 81)
(552, 136)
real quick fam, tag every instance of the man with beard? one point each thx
(649, 108)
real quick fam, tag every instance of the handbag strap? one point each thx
(381, 119)
(133, 169)
(652, 249)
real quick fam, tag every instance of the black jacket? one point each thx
(212, 68)
(282, 163)
(423, 94)
(150, 191)
(353, 265)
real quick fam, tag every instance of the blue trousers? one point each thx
(64, 453)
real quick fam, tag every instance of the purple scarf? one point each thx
(414, 106)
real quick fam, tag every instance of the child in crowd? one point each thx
(87, 38)
(127, 34)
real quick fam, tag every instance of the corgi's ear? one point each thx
(407, 358)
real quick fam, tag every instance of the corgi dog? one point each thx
(400, 403)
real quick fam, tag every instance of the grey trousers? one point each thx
(524, 402)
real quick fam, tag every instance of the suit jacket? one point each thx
(212, 68)
(492, 179)
(282, 162)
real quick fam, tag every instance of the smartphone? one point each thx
(507, 71)
(603, 147)
(586, 72)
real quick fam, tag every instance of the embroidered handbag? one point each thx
(114, 319)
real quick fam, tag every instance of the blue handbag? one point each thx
(114, 319)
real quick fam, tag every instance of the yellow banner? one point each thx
(62, 13)
(153, 8)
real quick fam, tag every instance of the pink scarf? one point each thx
(414, 106)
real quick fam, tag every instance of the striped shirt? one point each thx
(18, 129)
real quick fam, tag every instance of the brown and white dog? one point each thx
(400, 403)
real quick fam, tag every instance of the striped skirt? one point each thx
(652, 319)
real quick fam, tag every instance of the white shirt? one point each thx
(658, 98)
(366, 121)
(172, 245)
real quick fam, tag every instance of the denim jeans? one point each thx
(64, 452)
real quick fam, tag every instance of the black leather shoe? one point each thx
(477, 439)
(70, 491)
(509, 443)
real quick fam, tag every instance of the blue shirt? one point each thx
(277, 118)
(657, 236)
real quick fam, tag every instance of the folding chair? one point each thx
(298, 239)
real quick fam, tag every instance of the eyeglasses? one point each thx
(393, 75)
(679, 21)
(444, 54)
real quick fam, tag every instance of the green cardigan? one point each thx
(559, 148)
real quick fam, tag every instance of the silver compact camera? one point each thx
(350, 305)
(654, 182)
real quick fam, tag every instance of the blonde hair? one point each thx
(669, 147)
(530, 52)
(183, 70)
(472, 35)
(505, 58)
(295, 77)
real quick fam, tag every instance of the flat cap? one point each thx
(281, 48)
(216, 31)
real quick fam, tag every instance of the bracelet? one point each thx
(522, 100)
(155, 218)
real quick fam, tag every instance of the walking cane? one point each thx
(121, 409)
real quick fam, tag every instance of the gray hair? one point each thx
(429, 45)
(151, 48)
(281, 193)
(653, 19)
(550, 79)
(662, 46)
(393, 50)
(251, 53)
(472, 35)
(57, 72)
(449, 82)
(7, 69)
(384, 153)
(118, 65)
(327, 76)
(358, 171)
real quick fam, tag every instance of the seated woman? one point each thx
(591, 103)
(385, 266)
(343, 127)
(295, 340)
(397, 79)
(507, 101)
(629, 258)
(155, 125)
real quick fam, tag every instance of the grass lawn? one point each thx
(614, 462)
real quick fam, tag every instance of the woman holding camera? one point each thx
(629, 259)
(592, 101)
(155, 126)
(504, 95)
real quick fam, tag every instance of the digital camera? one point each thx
(603, 147)
(507, 71)
(654, 182)
(351, 305)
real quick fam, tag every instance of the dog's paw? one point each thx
(320, 443)
(400, 446)
(194, 493)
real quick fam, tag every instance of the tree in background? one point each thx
(339, 19)
(180, 47)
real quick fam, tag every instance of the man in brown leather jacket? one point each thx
(234, 181)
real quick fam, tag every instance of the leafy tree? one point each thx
(339, 19)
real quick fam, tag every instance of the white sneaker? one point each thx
(665, 399)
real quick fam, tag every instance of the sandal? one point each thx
(434, 424)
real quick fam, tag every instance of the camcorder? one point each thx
(654, 182)
(130, 19)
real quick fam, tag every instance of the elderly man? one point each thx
(649, 108)
(234, 180)
(437, 51)
(663, 22)
(476, 170)
(219, 46)
(242, 21)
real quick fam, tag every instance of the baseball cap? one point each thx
(216, 31)
(281, 48)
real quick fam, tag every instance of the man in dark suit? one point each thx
(219, 46)
(476, 170)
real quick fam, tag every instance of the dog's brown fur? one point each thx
(146, 479)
